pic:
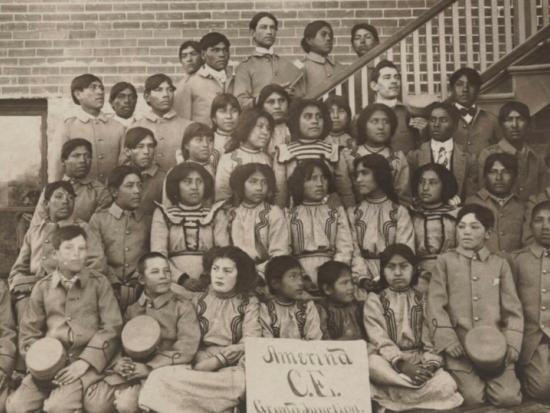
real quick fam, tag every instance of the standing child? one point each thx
(197, 145)
(285, 314)
(433, 217)
(319, 231)
(179, 339)
(224, 113)
(471, 287)
(378, 220)
(76, 306)
(255, 225)
(340, 313)
(340, 116)
(405, 370)
(227, 314)
(248, 144)
(376, 126)
(309, 127)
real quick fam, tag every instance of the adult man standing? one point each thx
(514, 119)
(162, 119)
(123, 100)
(477, 129)
(104, 133)
(386, 84)
(264, 66)
(194, 99)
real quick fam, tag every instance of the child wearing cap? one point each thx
(405, 370)
(179, 339)
(472, 287)
(287, 314)
(76, 306)
(340, 313)
(531, 267)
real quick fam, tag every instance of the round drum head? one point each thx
(45, 358)
(140, 336)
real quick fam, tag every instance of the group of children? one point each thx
(284, 218)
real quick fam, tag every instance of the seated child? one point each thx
(227, 314)
(180, 335)
(340, 313)
(532, 265)
(405, 371)
(285, 314)
(224, 113)
(255, 225)
(197, 145)
(340, 116)
(76, 306)
(472, 287)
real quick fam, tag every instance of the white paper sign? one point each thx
(295, 376)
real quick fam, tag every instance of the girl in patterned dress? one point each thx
(376, 125)
(286, 314)
(309, 128)
(227, 314)
(187, 227)
(319, 230)
(433, 217)
(249, 142)
(255, 225)
(379, 220)
(405, 370)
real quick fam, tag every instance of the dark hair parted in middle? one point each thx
(403, 251)
(472, 75)
(117, 175)
(154, 81)
(447, 178)
(212, 39)
(182, 171)
(302, 173)
(519, 107)
(194, 130)
(295, 113)
(507, 160)
(365, 116)
(247, 276)
(381, 171)
(72, 144)
(136, 134)
(240, 175)
(311, 30)
(268, 90)
(259, 16)
(221, 101)
(53, 186)
(341, 102)
(246, 123)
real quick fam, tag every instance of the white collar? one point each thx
(448, 145)
(219, 76)
(261, 51)
(388, 102)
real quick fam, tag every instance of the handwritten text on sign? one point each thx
(294, 376)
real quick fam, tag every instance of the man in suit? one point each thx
(444, 150)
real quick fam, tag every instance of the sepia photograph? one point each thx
(274, 206)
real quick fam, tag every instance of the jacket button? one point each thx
(476, 298)
(476, 318)
(475, 278)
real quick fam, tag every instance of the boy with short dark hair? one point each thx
(76, 306)
(197, 145)
(180, 336)
(471, 287)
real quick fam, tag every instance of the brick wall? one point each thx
(44, 44)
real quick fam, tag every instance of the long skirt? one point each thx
(176, 389)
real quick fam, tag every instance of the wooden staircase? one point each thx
(496, 37)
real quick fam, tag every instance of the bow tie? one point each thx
(470, 111)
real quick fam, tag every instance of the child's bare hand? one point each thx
(418, 123)
(123, 366)
(139, 371)
(71, 373)
(233, 353)
(455, 350)
(418, 374)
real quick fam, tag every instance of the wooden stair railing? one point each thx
(449, 35)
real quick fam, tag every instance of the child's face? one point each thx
(260, 134)
(499, 180)
(340, 119)
(430, 188)
(343, 289)
(291, 285)
(71, 255)
(161, 98)
(322, 42)
(398, 272)
(316, 187)
(226, 118)
(540, 225)
(470, 233)
(61, 205)
(365, 181)
(190, 60)
(311, 122)
(143, 154)
(156, 277)
(224, 275)
(191, 189)
(256, 188)
(128, 194)
(200, 148)
(378, 128)
(277, 106)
